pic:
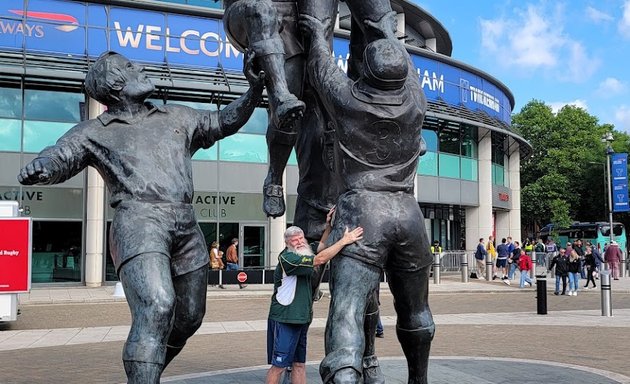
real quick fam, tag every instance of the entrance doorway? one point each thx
(253, 243)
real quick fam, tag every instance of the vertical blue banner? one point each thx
(619, 175)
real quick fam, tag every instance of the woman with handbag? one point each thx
(216, 259)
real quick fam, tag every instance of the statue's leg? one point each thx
(375, 18)
(415, 326)
(149, 290)
(353, 282)
(371, 371)
(280, 142)
(262, 26)
(190, 295)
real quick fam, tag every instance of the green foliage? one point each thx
(563, 180)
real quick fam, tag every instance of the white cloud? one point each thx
(533, 39)
(579, 66)
(624, 23)
(622, 118)
(610, 87)
(597, 16)
(556, 106)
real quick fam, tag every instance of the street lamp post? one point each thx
(608, 138)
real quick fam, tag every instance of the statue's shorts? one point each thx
(237, 29)
(394, 234)
(167, 228)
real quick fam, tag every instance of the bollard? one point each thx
(532, 272)
(436, 268)
(622, 265)
(604, 284)
(541, 294)
(488, 268)
(464, 265)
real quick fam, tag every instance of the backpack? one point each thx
(540, 247)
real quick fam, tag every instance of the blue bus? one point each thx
(598, 233)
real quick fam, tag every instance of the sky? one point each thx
(560, 52)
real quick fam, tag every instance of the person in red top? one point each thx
(525, 265)
(612, 256)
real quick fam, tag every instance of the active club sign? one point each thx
(15, 254)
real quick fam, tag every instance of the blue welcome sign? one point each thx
(619, 176)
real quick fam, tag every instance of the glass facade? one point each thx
(34, 113)
(451, 150)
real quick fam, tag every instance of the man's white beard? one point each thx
(306, 251)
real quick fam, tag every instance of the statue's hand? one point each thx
(312, 26)
(384, 28)
(330, 215)
(255, 79)
(350, 237)
(36, 172)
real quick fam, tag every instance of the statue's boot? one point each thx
(346, 376)
(273, 198)
(143, 373)
(416, 345)
(372, 373)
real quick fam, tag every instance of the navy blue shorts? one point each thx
(286, 343)
(501, 263)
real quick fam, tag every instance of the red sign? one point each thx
(504, 197)
(15, 254)
(241, 277)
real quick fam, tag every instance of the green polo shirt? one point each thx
(300, 311)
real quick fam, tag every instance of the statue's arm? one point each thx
(57, 163)
(238, 112)
(330, 81)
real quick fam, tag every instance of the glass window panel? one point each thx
(11, 102)
(469, 169)
(206, 154)
(56, 251)
(40, 134)
(430, 137)
(292, 158)
(449, 141)
(10, 135)
(428, 164)
(469, 142)
(257, 123)
(497, 175)
(449, 165)
(244, 147)
(55, 106)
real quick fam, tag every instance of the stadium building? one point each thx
(467, 184)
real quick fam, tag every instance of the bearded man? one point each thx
(291, 308)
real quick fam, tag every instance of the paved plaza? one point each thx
(487, 332)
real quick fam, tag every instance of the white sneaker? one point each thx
(574, 293)
(528, 284)
(506, 281)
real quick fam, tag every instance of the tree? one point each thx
(563, 179)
